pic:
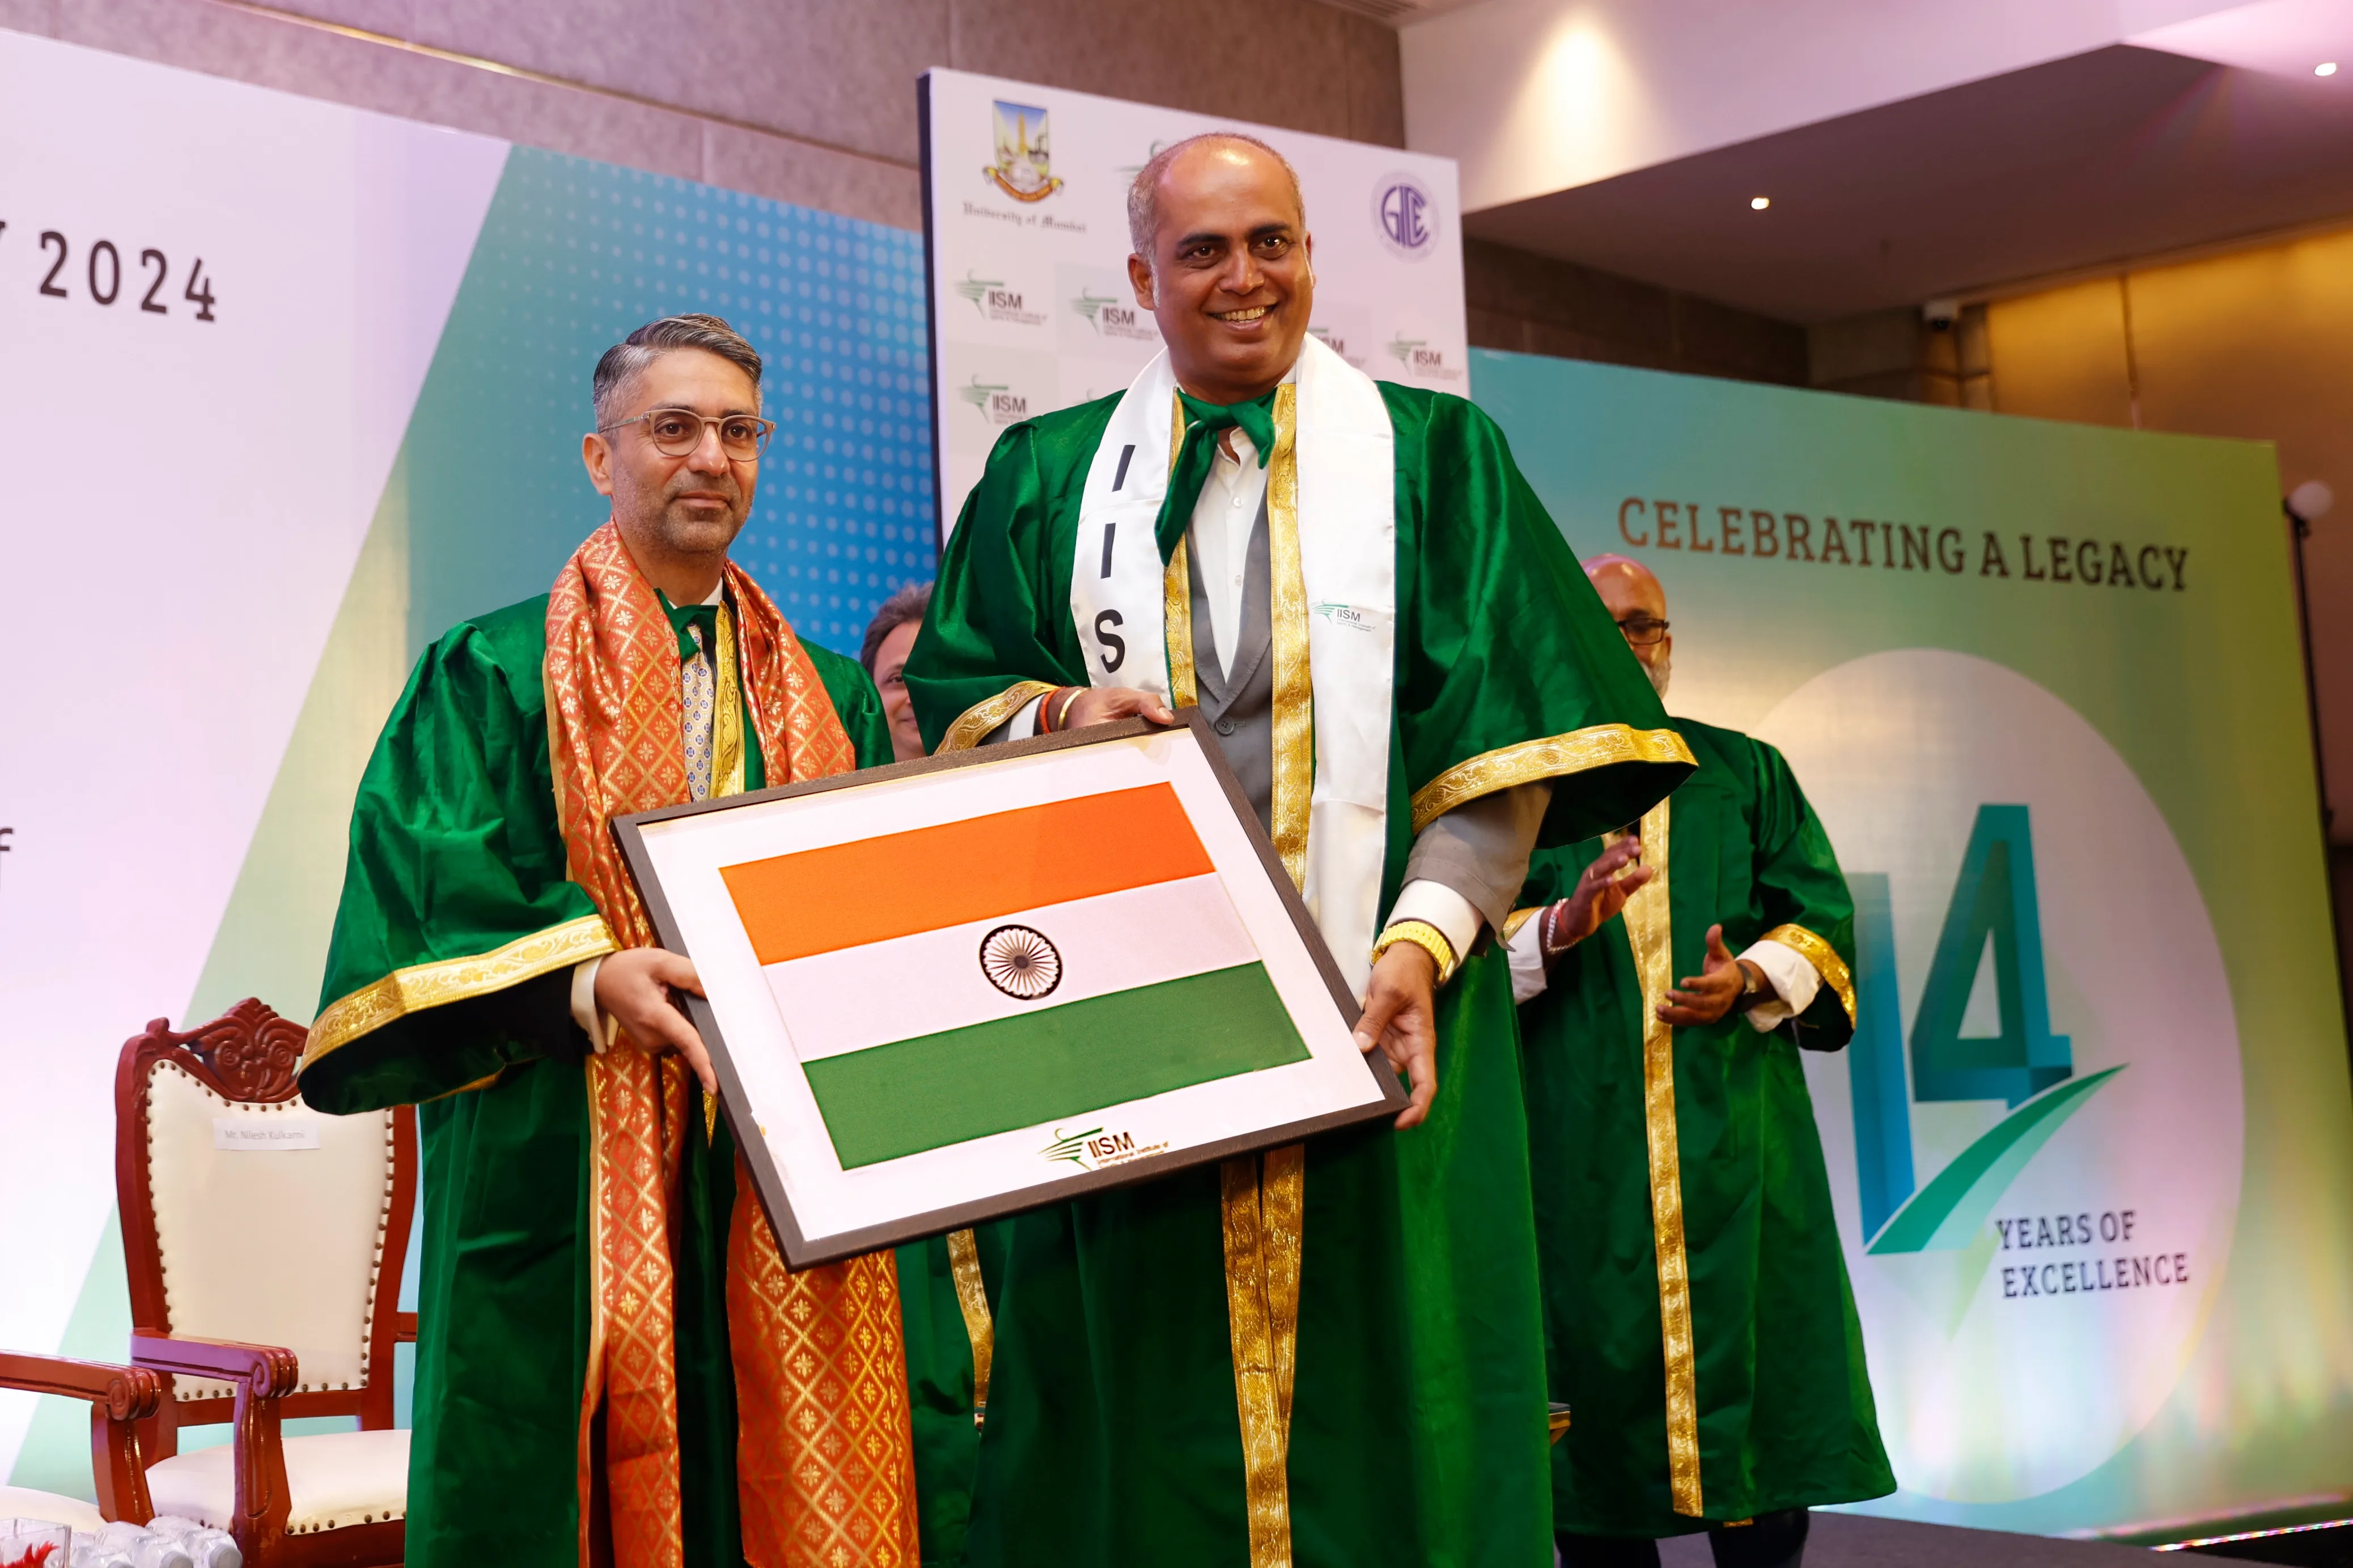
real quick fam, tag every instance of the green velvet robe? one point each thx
(1786, 1418)
(455, 852)
(1418, 1420)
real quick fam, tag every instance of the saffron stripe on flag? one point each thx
(926, 1093)
(877, 889)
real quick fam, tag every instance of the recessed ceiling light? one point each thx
(2326, 68)
(1758, 204)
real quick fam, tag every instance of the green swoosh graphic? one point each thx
(1944, 1214)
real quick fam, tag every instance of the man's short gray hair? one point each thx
(1144, 196)
(617, 371)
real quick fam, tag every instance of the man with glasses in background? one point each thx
(1700, 1327)
(613, 1362)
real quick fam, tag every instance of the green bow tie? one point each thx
(1195, 457)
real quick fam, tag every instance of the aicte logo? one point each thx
(1406, 216)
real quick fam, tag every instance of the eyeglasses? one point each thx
(676, 432)
(1641, 631)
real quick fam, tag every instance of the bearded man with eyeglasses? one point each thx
(1700, 1327)
(612, 1362)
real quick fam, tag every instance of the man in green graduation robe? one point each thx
(484, 970)
(1698, 1316)
(1330, 1353)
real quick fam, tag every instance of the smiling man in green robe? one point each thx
(604, 1325)
(1699, 1321)
(1329, 1353)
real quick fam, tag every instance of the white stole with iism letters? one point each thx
(1332, 538)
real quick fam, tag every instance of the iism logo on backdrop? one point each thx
(2036, 1179)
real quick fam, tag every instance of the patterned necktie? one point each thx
(696, 693)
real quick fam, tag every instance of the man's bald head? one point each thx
(1143, 194)
(1637, 601)
(1222, 263)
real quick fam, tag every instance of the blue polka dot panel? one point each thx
(575, 254)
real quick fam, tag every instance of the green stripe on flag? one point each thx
(890, 1101)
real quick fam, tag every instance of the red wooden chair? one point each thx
(120, 1397)
(264, 1243)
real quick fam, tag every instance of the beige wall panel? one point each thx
(2260, 344)
(2257, 345)
(2059, 355)
(394, 18)
(838, 73)
(226, 42)
(808, 176)
(1278, 62)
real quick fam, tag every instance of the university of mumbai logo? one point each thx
(1023, 167)
(1405, 216)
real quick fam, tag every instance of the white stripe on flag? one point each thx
(855, 997)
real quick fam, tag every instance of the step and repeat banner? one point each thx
(1026, 218)
(2092, 1147)
(289, 390)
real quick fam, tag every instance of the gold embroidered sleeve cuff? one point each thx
(1824, 957)
(973, 725)
(1553, 756)
(423, 986)
(1425, 936)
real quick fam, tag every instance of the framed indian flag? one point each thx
(950, 989)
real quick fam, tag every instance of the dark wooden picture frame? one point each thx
(800, 1251)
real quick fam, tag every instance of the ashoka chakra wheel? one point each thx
(1020, 963)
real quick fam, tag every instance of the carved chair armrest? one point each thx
(264, 1371)
(119, 1398)
(403, 1328)
(263, 1374)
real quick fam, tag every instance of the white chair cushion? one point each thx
(272, 1246)
(333, 1480)
(23, 1502)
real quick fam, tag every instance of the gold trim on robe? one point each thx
(1294, 691)
(1824, 957)
(1597, 746)
(973, 725)
(423, 986)
(1650, 930)
(1264, 1200)
(971, 1298)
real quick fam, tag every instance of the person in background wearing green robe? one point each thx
(482, 973)
(1698, 1316)
(1330, 1353)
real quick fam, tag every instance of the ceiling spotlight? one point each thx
(2326, 68)
(1758, 204)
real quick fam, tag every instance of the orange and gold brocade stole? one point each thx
(826, 1457)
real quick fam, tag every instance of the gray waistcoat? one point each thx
(1239, 704)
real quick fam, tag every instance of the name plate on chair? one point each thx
(275, 1134)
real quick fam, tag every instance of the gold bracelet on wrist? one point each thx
(1425, 936)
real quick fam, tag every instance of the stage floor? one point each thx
(1856, 1540)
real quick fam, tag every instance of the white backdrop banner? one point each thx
(1025, 228)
